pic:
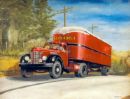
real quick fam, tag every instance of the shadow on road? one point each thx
(45, 77)
(39, 77)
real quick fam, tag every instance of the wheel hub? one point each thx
(57, 69)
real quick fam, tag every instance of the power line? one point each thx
(93, 27)
(65, 10)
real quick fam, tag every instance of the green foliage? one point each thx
(30, 19)
(119, 66)
(35, 24)
(34, 43)
(120, 69)
(17, 51)
(11, 53)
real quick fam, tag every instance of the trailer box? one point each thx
(86, 47)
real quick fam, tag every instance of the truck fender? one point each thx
(21, 58)
(53, 58)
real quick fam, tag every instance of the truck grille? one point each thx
(35, 56)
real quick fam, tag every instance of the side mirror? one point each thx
(64, 45)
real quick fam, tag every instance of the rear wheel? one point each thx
(56, 70)
(83, 71)
(104, 71)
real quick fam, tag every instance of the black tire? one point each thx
(83, 71)
(56, 71)
(26, 74)
(104, 71)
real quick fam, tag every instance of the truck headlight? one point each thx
(53, 59)
(44, 57)
(27, 58)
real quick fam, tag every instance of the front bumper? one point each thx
(29, 66)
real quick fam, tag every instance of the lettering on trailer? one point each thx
(64, 38)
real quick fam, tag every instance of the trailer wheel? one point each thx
(82, 72)
(56, 70)
(104, 71)
(26, 74)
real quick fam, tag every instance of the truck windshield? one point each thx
(54, 46)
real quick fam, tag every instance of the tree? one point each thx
(30, 19)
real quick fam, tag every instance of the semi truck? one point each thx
(72, 49)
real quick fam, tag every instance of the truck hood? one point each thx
(46, 52)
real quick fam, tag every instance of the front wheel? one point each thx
(83, 71)
(26, 74)
(104, 71)
(56, 70)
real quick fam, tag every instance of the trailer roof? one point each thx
(65, 30)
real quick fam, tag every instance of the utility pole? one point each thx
(93, 27)
(65, 11)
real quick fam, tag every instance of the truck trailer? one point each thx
(72, 49)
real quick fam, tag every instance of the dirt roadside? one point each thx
(127, 97)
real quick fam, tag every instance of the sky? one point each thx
(111, 19)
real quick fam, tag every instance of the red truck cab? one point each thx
(72, 49)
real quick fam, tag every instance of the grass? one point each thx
(9, 66)
(11, 53)
(119, 67)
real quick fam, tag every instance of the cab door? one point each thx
(63, 52)
(64, 56)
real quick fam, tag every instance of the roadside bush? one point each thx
(17, 51)
(119, 67)
(11, 52)
(34, 43)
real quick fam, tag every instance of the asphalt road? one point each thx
(66, 87)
